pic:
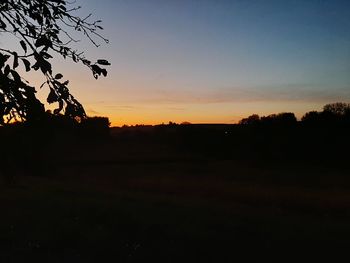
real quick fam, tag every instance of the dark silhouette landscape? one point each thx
(269, 188)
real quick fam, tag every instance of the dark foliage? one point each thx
(251, 120)
(333, 114)
(42, 29)
(285, 118)
(281, 119)
(338, 108)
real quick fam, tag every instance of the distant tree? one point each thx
(311, 117)
(338, 108)
(42, 28)
(252, 119)
(283, 119)
(332, 113)
(338, 112)
(347, 115)
(185, 123)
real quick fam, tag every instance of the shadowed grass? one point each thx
(166, 215)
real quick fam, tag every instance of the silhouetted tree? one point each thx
(338, 108)
(185, 123)
(338, 112)
(42, 28)
(311, 117)
(333, 113)
(252, 119)
(281, 119)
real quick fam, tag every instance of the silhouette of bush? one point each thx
(333, 113)
(280, 119)
(338, 112)
(251, 120)
(338, 108)
(311, 117)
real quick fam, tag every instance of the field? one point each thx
(137, 198)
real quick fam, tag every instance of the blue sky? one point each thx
(215, 61)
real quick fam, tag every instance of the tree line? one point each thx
(332, 113)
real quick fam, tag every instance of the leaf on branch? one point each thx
(43, 41)
(60, 107)
(74, 57)
(104, 72)
(103, 62)
(96, 70)
(45, 55)
(24, 46)
(86, 62)
(58, 76)
(3, 59)
(43, 64)
(31, 30)
(16, 76)
(7, 70)
(52, 98)
(15, 60)
(26, 64)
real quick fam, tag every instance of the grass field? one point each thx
(127, 202)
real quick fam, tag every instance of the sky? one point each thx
(215, 61)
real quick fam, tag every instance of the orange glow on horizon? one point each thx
(132, 106)
(229, 113)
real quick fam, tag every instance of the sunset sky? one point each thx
(214, 61)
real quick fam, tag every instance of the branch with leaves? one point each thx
(42, 28)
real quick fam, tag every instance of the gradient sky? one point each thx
(214, 61)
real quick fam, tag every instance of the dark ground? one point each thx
(172, 194)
